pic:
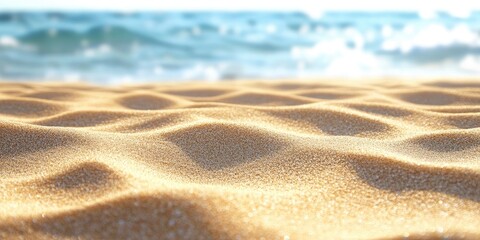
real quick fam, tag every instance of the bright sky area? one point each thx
(309, 5)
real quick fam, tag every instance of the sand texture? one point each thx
(241, 160)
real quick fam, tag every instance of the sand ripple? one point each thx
(241, 160)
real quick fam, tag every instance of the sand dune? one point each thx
(241, 160)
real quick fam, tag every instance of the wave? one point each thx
(119, 47)
(67, 41)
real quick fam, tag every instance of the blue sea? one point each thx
(119, 47)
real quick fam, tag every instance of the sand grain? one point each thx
(241, 160)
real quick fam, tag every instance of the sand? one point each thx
(330, 159)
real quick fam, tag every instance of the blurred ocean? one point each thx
(107, 47)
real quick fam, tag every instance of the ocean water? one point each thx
(113, 47)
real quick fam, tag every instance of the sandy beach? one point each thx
(327, 159)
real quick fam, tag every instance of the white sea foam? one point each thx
(8, 41)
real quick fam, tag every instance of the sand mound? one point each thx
(334, 122)
(216, 145)
(83, 118)
(241, 160)
(448, 142)
(145, 102)
(396, 176)
(54, 95)
(85, 177)
(265, 99)
(198, 93)
(28, 108)
(464, 121)
(381, 109)
(19, 139)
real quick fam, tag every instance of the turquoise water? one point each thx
(108, 47)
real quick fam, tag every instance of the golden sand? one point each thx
(241, 160)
